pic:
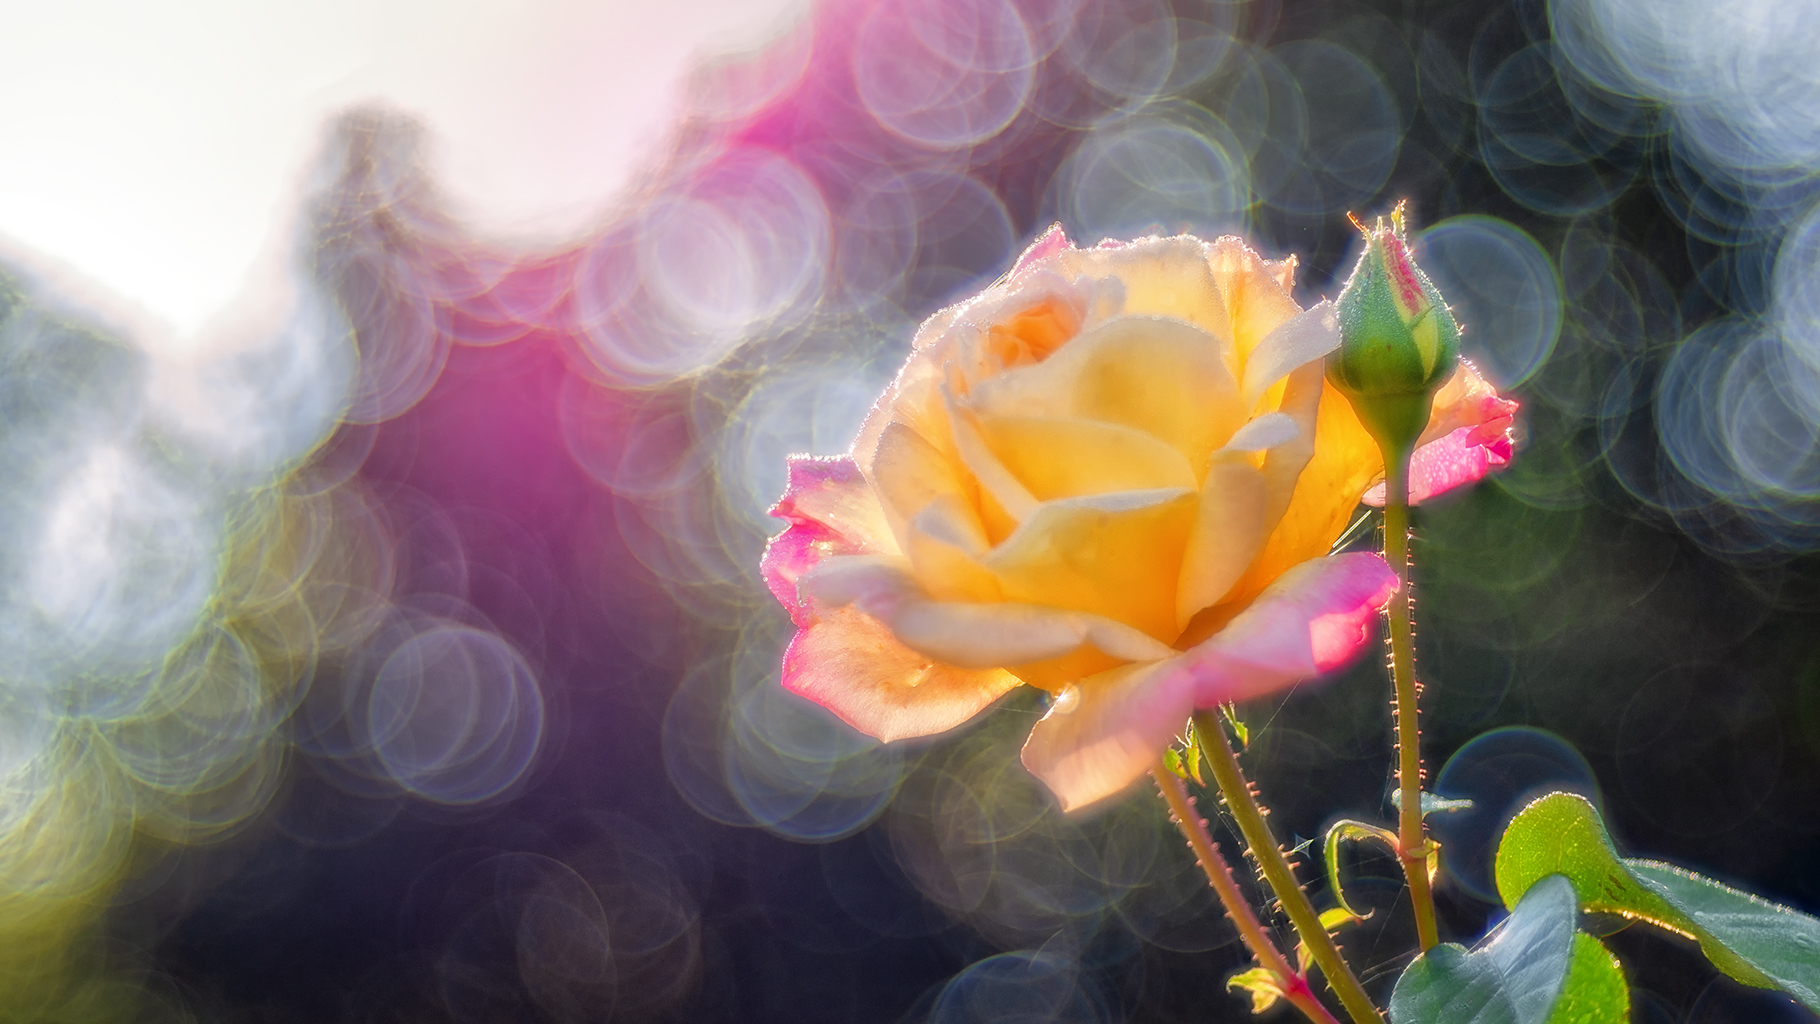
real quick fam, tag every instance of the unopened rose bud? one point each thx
(1398, 341)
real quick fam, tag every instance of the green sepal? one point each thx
(1750, 939)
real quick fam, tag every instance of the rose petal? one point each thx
(1240, 504)
(1058, 457)
(1295, 342)
(1468, 400)
(1314, 619)
(1053, 241)
(1468, 436)
(1263, 433)
(967, 634)
(1228, 532)
(851, 664)
(1160, 376)
(1256, 297)
(1284, 463)
(1105, 732)
(1163, 277)
(876, 584)
(1102, 735)
(1116, 555)
(914, 395)
(831, 511)
(909, 472)
(993, 635)
(1456, 460)
(1345, 462)
(1322, 495)
(832, 492)
(995, 481)
(945, 546)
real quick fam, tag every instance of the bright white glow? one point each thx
(155, 148)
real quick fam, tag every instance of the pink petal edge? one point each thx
(1316, 618)
(1052, 241)
(811, 505)
(1319, 616)
(849, 663)
(1460, 458)
(1108, 731)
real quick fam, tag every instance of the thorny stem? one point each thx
(1412, 841)
(1276, 870)
(1295, 986)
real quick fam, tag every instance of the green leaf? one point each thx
(1514, 977)
(1354, 830)
(1595, 992)
(1430, 803)
(1191, 755)
(1263, 985)
(1173, 762)
(1750, 939)
(1332, 920)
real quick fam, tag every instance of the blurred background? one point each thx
(391, 397)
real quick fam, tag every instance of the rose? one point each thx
(1115, 475)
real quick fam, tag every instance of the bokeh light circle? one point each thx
(455, 715)
(1502, 289)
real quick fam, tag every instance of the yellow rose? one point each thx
(1116, 475)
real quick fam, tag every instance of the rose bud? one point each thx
(1398, 341)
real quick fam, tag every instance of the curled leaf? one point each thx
(1332, 919)
(1348, 829)
(1263, 985)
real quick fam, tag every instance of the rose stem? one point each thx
(1295, 987)
(1276, 869)
(1412, 842)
